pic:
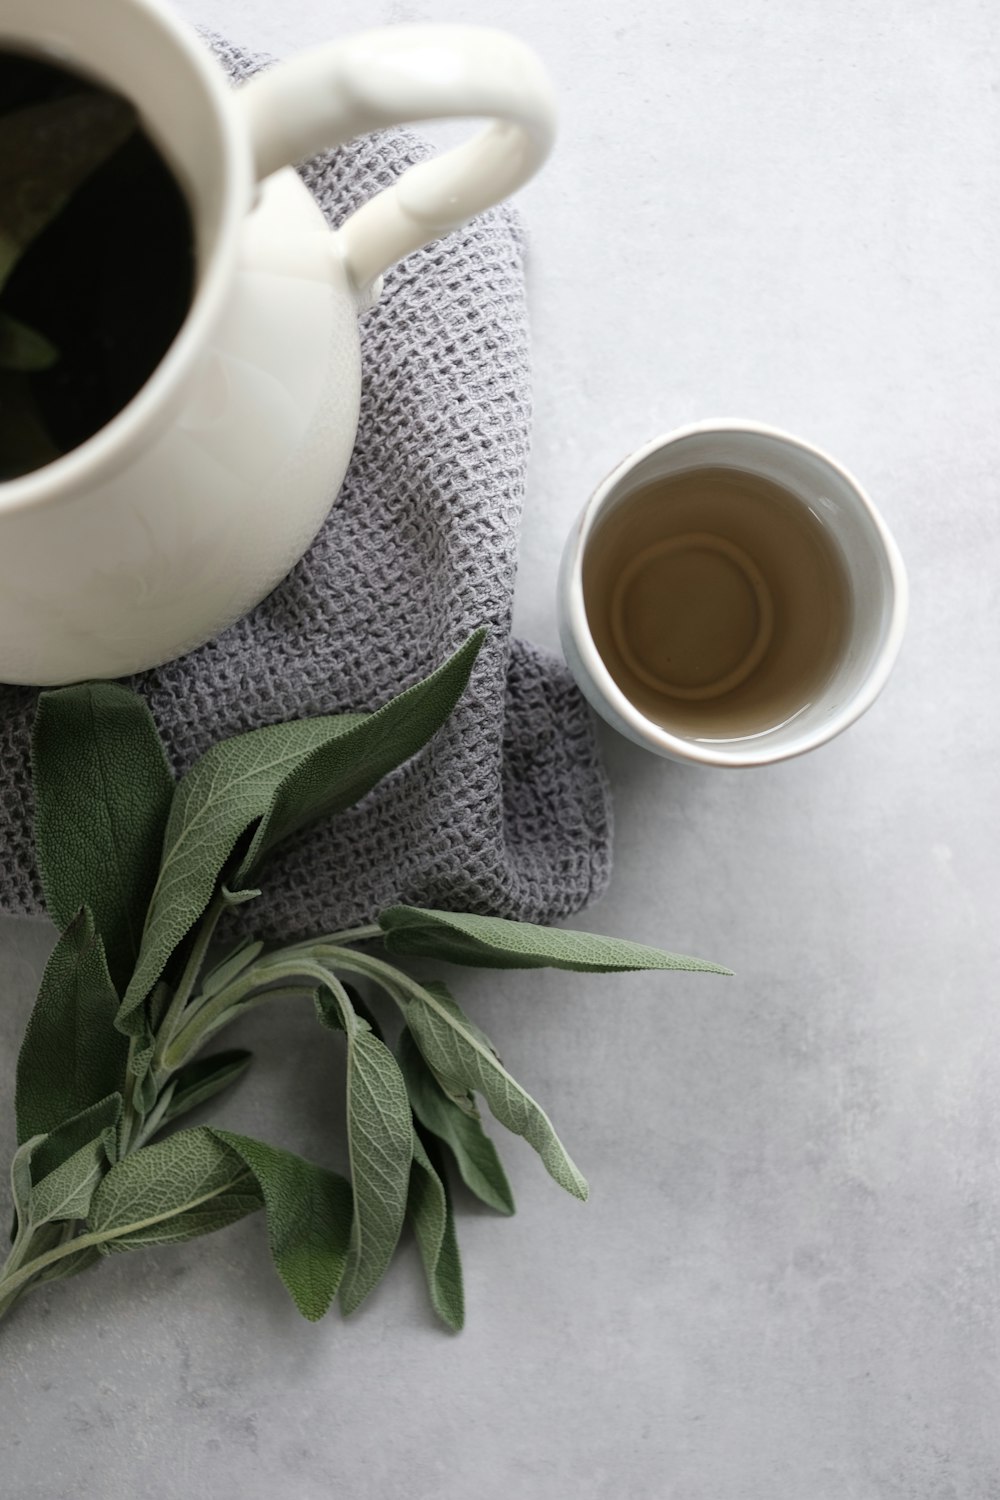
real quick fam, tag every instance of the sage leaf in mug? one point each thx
(308, 1220)
(47, 152)
(202, 1079)
(25, 441)
(379, 1142)
(71, 1055)
(278, 778)
(460, 1129)
(453, 1046)
(24, 350)
(430, 1209)
(102, 794)
(496, 943)
(177, 1189)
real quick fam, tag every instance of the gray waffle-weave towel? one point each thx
(507, 810)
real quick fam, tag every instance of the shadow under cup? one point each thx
(731, 596)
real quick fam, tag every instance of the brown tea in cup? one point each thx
(718, 602)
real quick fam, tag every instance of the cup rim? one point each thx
(81, 466)
(653, 735)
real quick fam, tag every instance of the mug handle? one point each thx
(396, 74)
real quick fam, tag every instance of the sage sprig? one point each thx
(138, 872)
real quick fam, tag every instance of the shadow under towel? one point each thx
(507, 810)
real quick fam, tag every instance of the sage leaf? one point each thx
(70, 1265)
(202, 1079)
(308, 1220)
(20, 1184)
(140, 1062)
(453, 1047)
(102, 795)
(379, 1140)
(223, 794)
(47, 151)
(230, 968)
(187, 1185)
(98, 1122)
(338, 774)
(430, 1209)
(71, 1055)
(363, 1011)
(25, 441)
(495, 943)
(239, 898)
(157, 1004)
(442, 993)
(460, 1129)
(143, 1043)
(275, 780)
(66, 1192)
(22, 348)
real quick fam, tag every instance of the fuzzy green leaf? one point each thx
(188, 1185)
(456, 1051)
(230, 968)
(430, 1209)
(70, 1265)
(44, 1154)
(202, 1079)
(102, 795)
(459, 1128)
(20, 1182)
(276, 780)
(98, 1122)
(67, 1192)
(308, 1221)
(71, 1055)
(495, 943)
(223, 795)
(338, 774)
(379, 1139)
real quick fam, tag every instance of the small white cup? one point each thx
(874, 568)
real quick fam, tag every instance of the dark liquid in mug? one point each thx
(96, 259)
(718, 601)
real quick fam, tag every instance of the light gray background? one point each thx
(785, 1285)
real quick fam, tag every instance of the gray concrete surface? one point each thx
(785, 1285)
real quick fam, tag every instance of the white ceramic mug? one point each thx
(874, 570)
(201, 494)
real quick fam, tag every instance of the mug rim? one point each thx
(110, 445)
(604, 687)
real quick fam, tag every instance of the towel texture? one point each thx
(507, 810)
